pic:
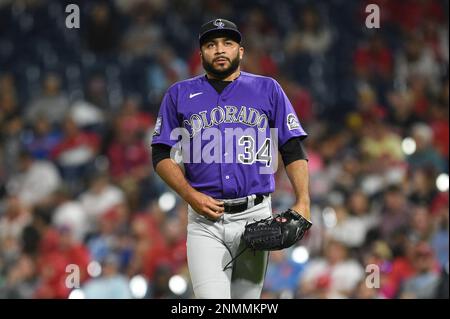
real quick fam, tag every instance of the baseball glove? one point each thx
(275, 233)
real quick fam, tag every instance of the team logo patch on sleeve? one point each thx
(158, 124)
(292, 122)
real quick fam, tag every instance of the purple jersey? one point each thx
(229, 134)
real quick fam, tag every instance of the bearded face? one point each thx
(221, 57)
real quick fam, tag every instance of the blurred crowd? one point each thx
(77, 108)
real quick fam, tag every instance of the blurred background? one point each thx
(77, 107)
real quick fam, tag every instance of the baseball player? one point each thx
(226, 193)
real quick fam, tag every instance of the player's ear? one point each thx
(241, 52)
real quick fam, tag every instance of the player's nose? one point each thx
(220, 48)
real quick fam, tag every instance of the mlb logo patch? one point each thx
(292, 122)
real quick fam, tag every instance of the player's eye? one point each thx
(210, 45)
(228, 43)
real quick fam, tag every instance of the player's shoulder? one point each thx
(253, 79)
(260, 83)
(256, 77)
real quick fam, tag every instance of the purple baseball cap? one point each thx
(218, 27)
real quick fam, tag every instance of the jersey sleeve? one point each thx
(284, 118)
(166, 122)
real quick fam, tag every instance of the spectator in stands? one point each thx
(425, 155)
(143, 36)
(373, 60)
(416, 60)
(111, 284)
(97, 93)
(75, 154)
(150, 248)
(311, 35)
(132, 116)
(422, 190)
(426, 279)
(395, 212)
(168, 69)
(368, 104)
(35, 182)
(413, 14)
(74, 251)
(159, 284)
(402, 113)
(70, 214)
(440, 125)
(283, 274)
(421, 224)
(14, 219)
(439, 241)
(52, 104)
(58, 249)
(99, 198)
(334, 276)
(377, 259)
(21, 281)
(129, 157)
(258, 60)
(381, 146)
(175, 236)
(11, 144)
(87, 116)
(41, 139)
(111, 236)
(353, 226)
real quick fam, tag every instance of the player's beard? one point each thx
(222, 73)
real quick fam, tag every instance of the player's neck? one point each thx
(233, 76)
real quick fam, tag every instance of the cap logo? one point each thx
(218, 23)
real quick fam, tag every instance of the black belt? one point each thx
(239, 205)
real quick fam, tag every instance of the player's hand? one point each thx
(206, 205)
